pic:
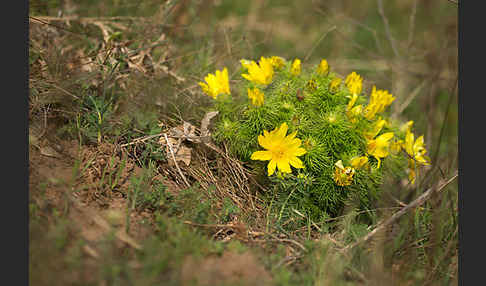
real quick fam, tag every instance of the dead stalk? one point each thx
(387, 28)
(411, 28)
(175, 161)
(417, 202)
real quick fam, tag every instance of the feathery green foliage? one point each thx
(307, 105)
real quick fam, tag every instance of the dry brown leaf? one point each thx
(183, 154)
(205, 123)
(166, 70)
(186, 131)
(177, 131)
(190, 132)
(49, 152)
(90, 251)
(87, 64)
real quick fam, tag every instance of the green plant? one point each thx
(340, 141)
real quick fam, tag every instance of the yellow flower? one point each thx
(216, 84)
(281, 150)
(407, 127)
(354, 112)
(378, 147)
(256, 96)
(416, 149)
(379, 100)
(331, 118)
(396, 146)
(287, 105)
(334, 85)
(412, 171)
(359, 162)
(351, 102)
(354, 82)
(261, 73)
(311, 85)
(323, 68)
(377, 126)
(277, 62)
(245, 63)
(295, 69)
(343, 176)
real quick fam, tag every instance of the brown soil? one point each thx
(229, 269)
(93, 212)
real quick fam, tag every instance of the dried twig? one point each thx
(227, 41)
(90, 19)
(286, 240)
(411, 27)
(330, 19)
(288, 260)
(318, 41)
(446, 115)
(409, 99)
(209, 225)
(90, 251)
(387, 27)
(420, 200)
(65, 91)
(175, 161)
(142, 139)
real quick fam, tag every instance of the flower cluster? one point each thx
(274, 75)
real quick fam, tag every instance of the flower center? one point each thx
(278, 153)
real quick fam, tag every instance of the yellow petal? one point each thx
(282, 130)
(409, 143)
(245, 63)
(359, 162)
(261, 155)
(419, 142)
(292, 136)
(262, 140)
(339, 164)
(296, 162)
(406, 127)
(247, 76)
(283, 166)
(379, 162)
(299, 152)
(352, 102)
(271, 167)
(385, 136)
